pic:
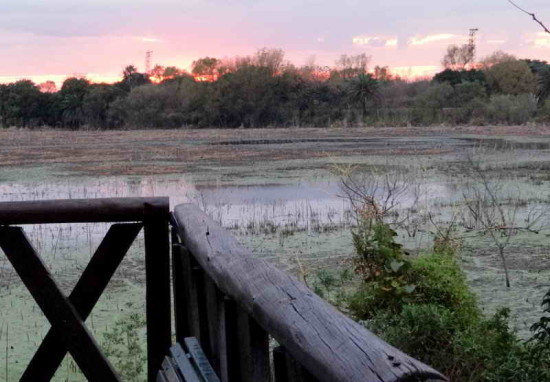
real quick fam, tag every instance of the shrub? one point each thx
(509, 109)
(543, 113)
(439, 280)
(122, 345)
(485, 350)
(424, 307)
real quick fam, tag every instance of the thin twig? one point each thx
(532, 16)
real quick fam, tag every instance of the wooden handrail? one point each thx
(82, 210)
(329, 345)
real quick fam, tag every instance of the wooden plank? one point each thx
(161, 377)
(158, 288)
(84, 296)
(169, 370)
(222, 337)
(181, 303)
(198, 277)
(190, 290)
(279, 364)
(56, 307)
(79, 210)
(233, 348)
(200, 361)
(253, 349)
(287, 369)
(212, 320)
(330, 345)
(183, 364)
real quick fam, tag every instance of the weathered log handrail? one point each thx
(326, 343)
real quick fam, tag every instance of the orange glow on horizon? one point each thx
(405, 72)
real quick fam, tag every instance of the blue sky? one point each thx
(56, 38)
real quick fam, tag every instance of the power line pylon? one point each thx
(472, 45)
(148, 55)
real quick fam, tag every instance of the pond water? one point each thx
(285, 216)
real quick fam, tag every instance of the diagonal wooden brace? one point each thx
(57, 308)
(84, 296)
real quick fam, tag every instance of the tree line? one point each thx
(264, 90)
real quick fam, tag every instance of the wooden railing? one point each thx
(254, 322)
(67, 314)
(239, 305)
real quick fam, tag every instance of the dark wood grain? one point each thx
(158, 287)
(253, 349)
(79, 210)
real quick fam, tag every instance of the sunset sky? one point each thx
(55, 38)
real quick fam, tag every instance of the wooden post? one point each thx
(232, 341)
(287, 369)
(181, 303)
(254, 349)
(157, 264)
(212, 319)
(191, 304)
(198, 277)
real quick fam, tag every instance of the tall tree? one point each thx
(351, 66)
(71, 101)
(458, 57)
(205, 69)
(131, 78)
(362, 89)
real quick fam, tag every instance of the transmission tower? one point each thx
(148, 55)
(472, 44)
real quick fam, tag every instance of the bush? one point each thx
(509, 109)
(543, 113)
(123, 346)
(439, 280)
(424, 307)
(485, 350)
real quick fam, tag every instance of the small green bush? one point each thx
(485, 350)
(439, 280)
(424, 307)
(122, 344)
(543, 113)
(511, 109)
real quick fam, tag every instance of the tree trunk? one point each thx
(505, 266)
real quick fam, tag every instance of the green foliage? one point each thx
(511, 77)
(439, 280)
(509, 109)
(543, 113)
(363, 89)
(541, 329)
(543, 86)
(437, 319)
(262, 90)
(429, 105)
(123, 346)
(330, 285)
(456, 77)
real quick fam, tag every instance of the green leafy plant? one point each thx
(123, 346)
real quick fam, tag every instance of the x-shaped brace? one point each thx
(67, 315)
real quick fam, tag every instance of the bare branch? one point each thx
(532, 16)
